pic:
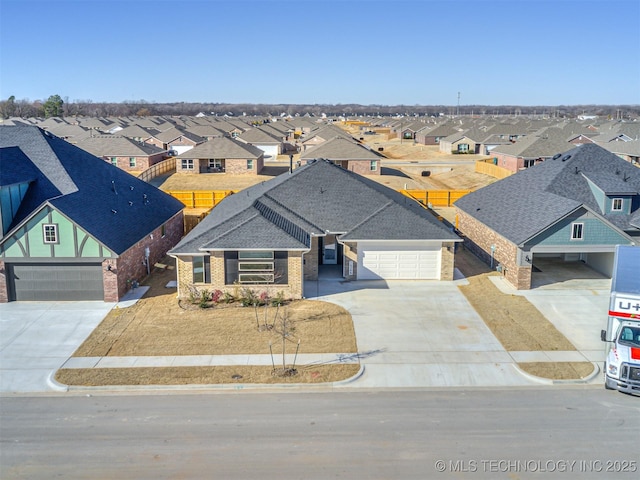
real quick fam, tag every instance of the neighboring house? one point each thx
(73, 226)
(531, 150)
(175, 140)
(460, 142)
(431, 134)
(320, 135)
(138, 133)
(629, 151)
(259, 138)
(205, 131)
(276, 234)
(221, 155)
(70, 133)
(123, 152)
(577, 206)
(347, 154)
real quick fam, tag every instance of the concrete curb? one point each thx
(549, 381)
(53, 384)
(218, 386)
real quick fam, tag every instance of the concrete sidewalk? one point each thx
(409, 334)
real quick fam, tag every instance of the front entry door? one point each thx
(329, 253)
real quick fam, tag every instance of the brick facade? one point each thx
(479, 239)
(233, 166)
(362, 167)
(142, 162)
(292, 290)
(130, 265)
(4, 287)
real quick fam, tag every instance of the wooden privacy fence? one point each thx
(489, 168)
(160, 168)
(436, 198)
(200, 198)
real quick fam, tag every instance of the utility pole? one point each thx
(458, 110)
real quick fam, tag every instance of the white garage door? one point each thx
(270, 152)
(396, 261)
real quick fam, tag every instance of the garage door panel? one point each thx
(51, 282)
(390, 262)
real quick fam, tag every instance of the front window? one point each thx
(114, 161)
(187, 164)
(373, 166)
(577, 231)
(249, 164)
(256, 267)
(617, 205)
(132, 162)
(463, 147)
(199, 266)
(50, 233)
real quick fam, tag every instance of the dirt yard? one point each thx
(157, 325)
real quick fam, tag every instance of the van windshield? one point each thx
(630, 336)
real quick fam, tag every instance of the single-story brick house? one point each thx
(277, 234)
(575, 207)
(75, 227)
(346, 153)
(123, 152)
(221, 155)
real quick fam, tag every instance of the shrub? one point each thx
(216, 296)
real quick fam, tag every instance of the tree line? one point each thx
(56, 106)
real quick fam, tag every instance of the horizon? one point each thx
(523, 53)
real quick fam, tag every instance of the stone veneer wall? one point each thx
(447, 257)
(479, 238)
(350, 254)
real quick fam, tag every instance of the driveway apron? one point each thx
(419, 334)
(36, 338)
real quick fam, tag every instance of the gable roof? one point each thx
(223, 147)
(315, 199)
(114, 207)
(117, 146)
(258, 135)
(522, 205)
(340, 148)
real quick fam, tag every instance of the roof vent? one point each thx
(130, 203)
(566, 157)
(114, 211)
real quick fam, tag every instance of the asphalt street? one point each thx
(578, 432)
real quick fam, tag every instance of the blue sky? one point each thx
(421, 52)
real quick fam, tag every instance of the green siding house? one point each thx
(73, 226)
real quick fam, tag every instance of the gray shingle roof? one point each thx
(117, 146)
(223, 147)
(321, 197)
(87, 189)
(523, 205)
(340, 148)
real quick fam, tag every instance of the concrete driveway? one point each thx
(36, 338)
(420, 334)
